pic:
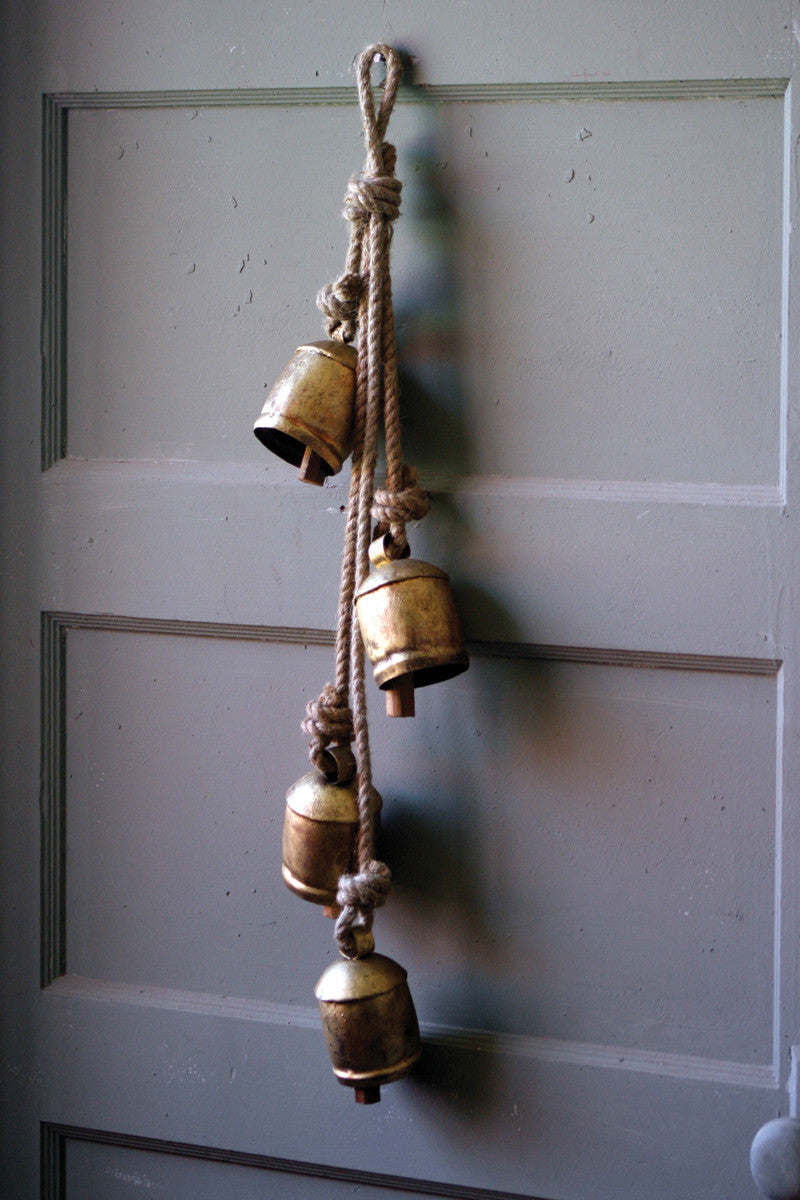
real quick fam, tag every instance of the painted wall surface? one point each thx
(592, 832)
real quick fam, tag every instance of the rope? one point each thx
(391, 509)
(360, 301)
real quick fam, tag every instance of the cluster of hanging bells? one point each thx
(406, 611)
(367, 1012)
(413, 637)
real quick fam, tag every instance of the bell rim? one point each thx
(398, 571)
(288, 439)
(304, 890)
(378, 1077)
(344, 971)
(426, 673)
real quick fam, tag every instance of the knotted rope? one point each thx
(391, 509)
(360, 301)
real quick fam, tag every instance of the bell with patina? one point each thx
(307, 419)
(320, 837)
(370, 1023)
(410, 627)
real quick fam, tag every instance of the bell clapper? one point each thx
(331, 910)
(312, 468)
(400, 697)
(368, 1095)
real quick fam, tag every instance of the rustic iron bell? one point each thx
(308, 416)
(410, 627)
(369, 1021)
(320, 837)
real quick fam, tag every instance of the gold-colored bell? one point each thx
(308, 416)
(320, 837)
(370, 1023)
(410, 627)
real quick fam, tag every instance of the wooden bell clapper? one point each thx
(406, 617)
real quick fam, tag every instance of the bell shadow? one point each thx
(528, 683)
(436, 902)
(428, 305)
(439, 902)
(427, 850)
(430, 323)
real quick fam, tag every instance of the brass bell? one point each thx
(307, 419)
(320, 837)
(410, 627)
(369, 1021)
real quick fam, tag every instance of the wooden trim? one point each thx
(52, 880)
(459, 1040)
(522, 489)
(590, 655)
(54, 281)
(443, 93)
(52, 1160)
(209, 629)
(640, 659)
(786, 236)
(55, 1138)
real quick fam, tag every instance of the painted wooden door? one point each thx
(593, 831)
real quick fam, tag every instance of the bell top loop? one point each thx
(337, 764)
(381, 551)
(359, 942)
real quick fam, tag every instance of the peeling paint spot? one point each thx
(234, 201)
(590, 218)
(569, 176)
(135, 1178)
(583, 134)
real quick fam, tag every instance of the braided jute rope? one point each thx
(360, 301)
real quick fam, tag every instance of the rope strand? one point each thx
(360, 301)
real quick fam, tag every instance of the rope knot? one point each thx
(392, 508)
(368, 194)
(358, 896)
(328, 719)
(339, 301)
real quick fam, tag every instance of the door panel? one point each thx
(591, 832)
